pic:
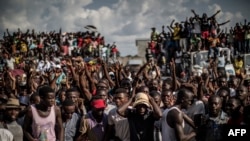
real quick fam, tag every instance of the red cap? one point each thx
(98, 104)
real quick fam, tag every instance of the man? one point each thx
(238, 65)
(10, 117)
(93, 125)
(41, 119)
(215, 120)
(242, 95)
(118, 128)
(74, 95)
(141, 117)
(70, 119)
(104, 95)
(167, 98)
(173, 118)
(213, 45)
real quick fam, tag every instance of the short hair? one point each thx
(44, 90)
(181, 94)
(168, 81)
(154, 93)
(120, 90)
(68, 102)
(33, 96)
(72, 90)
(214, 96)
(140, 89)
(223, 88)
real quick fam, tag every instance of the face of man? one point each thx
(12, 113)
(49, 99)
(165, 86)
(73, 96)
(62, 96)
(222, 82)
(68, 111)
(224, 95)
(103, 94)
(153, 85)
(141, 109)
(126, 84)
(187, 100)
(214, 106)
(157, 99)
(241, 93)
(167, 97)
(233, 106)
(98, 112)
(120, 99)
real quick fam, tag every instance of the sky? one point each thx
(120, 21)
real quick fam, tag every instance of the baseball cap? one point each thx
(98, 104)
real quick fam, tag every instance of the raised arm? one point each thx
(171, 25)
(213, 16)
(192, 10)
(224, 23)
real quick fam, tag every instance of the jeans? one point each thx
(215, 51)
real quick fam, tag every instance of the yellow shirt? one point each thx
(176, 33)
(238, 64)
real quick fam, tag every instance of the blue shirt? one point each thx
(70, 127)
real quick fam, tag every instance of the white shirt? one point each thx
(168, 133)
(10, 63)
(6, 135)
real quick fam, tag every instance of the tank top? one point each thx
(44, 125)
(168, 133)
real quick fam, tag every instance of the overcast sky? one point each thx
(120, 21)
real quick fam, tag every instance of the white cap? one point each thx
(58, 66)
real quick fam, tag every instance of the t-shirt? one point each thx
(121, 125)
(10, 63)
(141, 127)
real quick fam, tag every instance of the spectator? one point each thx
(43, 117)
(10, 117)
(141, 119)
(70, 120)
(93, 125)
(118, 126)
(215, 121)
(173, 118)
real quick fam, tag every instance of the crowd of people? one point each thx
(61, 87)
(198, 33)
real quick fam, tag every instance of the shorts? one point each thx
(204, 34)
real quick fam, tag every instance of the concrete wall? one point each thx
(141, 45)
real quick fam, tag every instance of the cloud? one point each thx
(122, 22)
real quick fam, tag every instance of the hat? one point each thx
(58, 66)
(141, 98)
(98, 104)
(111, 73)
(12, 103)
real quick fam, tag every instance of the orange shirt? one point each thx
(213, 41)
